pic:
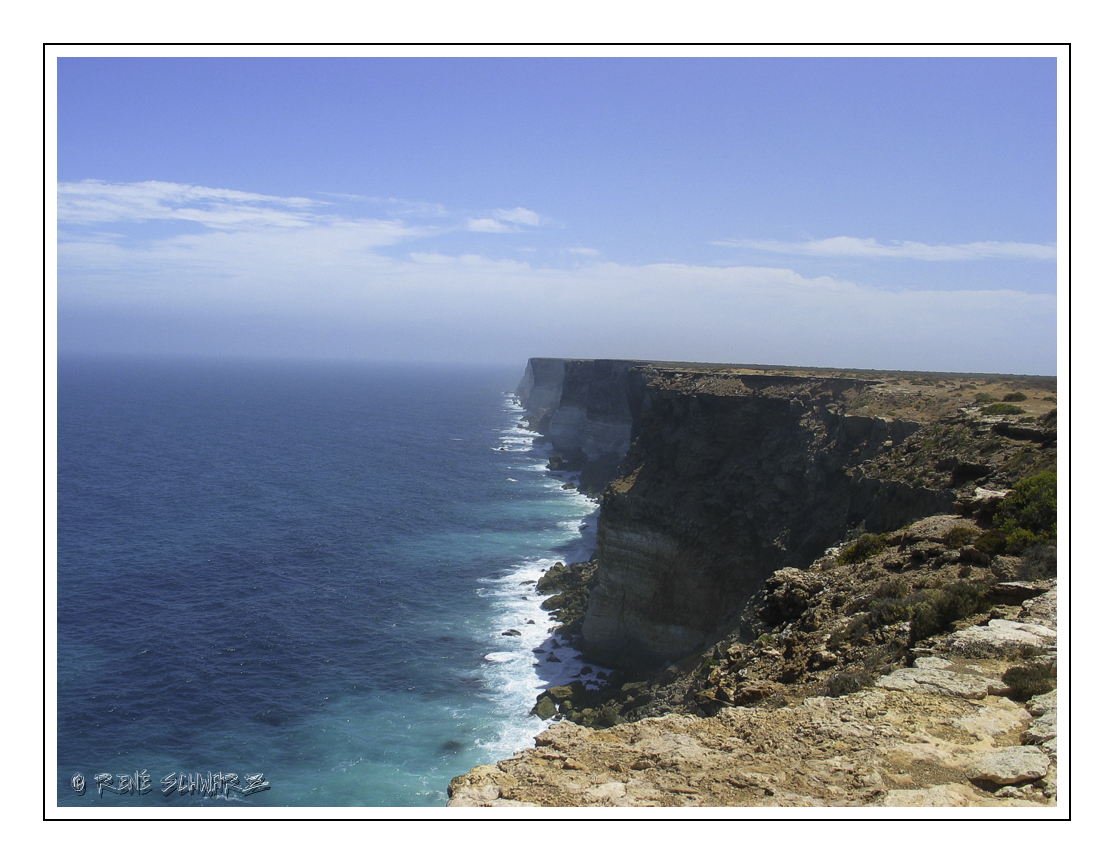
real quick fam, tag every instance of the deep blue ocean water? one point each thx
(300, 571)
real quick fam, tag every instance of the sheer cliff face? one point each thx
(729, 478)
(582, 407)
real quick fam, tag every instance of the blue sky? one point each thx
(875, 213)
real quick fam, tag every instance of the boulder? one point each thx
(1039, 705)
(1000, 637)
(1010, 765)
(1018, 591)
(1041, 729)
(940, 681)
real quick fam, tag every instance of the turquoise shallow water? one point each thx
(299, 571)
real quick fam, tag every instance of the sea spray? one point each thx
(528, 657)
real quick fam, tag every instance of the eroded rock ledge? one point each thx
(760, 666)
(714, 477)
(941, 731)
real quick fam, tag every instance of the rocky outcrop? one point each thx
(874, 748)
(723, 475)
(720, 488)
(808, 667)
(945, 731)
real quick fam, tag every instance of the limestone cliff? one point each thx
(840, 702)
(583, 409)
(728, 479)
(878, 671)
(726, 475)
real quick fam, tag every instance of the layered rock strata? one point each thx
(821, 709)
(891, 672)
(726, 481)
(582, 409)
(723, 475)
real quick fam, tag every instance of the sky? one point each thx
(886, 213)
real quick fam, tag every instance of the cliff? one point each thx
(721, 475)
(822, 580)
(945, 732)
(582, 407)
(730, 478)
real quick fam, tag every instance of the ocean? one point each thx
(299, 574)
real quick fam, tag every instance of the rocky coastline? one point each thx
(818, 587)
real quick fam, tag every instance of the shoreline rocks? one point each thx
(756, 724)
(813, 593)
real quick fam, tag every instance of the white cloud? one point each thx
(314, 276)
(583, 250)
(327, 281)
(490, 226)
(505, 221)
(93, 201)
(868, 247)
(283, 220)
(519, 216)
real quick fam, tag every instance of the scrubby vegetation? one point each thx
(928, 611)
(1028, 681)
(1027, 516)
(1014, 397)
(992, 542)
(1039, 563)
(843, 683)
(960, 535)
(866, 547)
(999, 409)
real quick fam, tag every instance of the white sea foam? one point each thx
(523, 664)
(528, 663)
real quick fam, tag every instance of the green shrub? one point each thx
(865, 547)
(852, 631)
(1049, 419)
(891, 588)
(938, 608)
(928, 611)
(1027, 515)
(1014, 397)
(960, 535)
(999, 409)
(1025, 682)
(889, 610)
(992, 542)
(983, 398)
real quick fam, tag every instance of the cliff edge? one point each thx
(786, 562)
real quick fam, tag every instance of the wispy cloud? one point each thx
(336, 296)
(868, 247)
(518, 216)
(309, 270)
(94, 202)
(505, 221)
(397, 206)
(491, 226)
